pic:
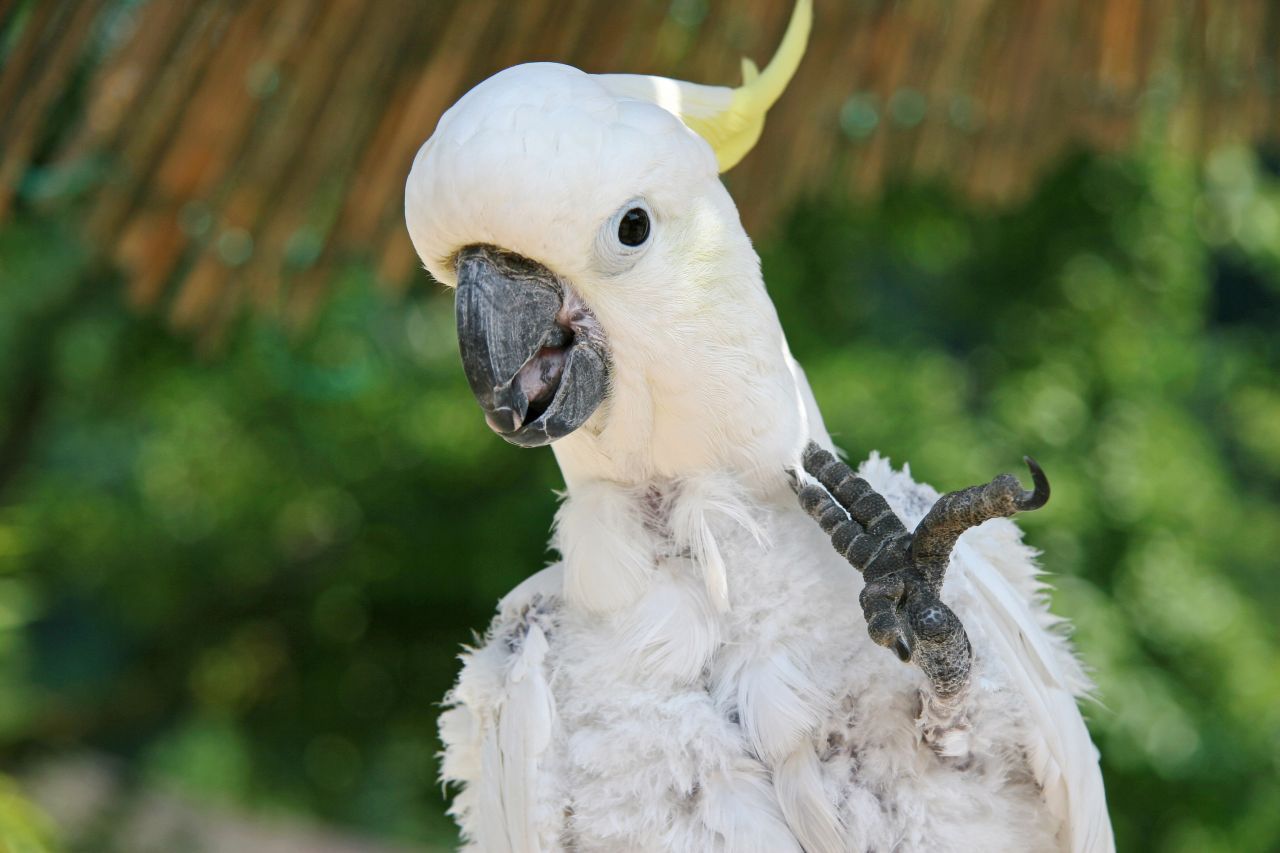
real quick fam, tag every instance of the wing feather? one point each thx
(1002, 576)
(500, 720)
(525, 719)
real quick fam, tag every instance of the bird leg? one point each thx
(903, 571)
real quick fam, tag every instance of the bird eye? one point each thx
(633, 228)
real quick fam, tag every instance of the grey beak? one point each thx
(534, 370)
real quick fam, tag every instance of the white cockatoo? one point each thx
(701, 671)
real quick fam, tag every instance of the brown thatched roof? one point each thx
(234, 149)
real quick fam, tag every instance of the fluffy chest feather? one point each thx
(764, 721)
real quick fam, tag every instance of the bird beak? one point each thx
(538, 367)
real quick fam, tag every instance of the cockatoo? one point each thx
(701, 670)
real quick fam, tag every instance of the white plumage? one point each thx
(780, 723)
(695, 673)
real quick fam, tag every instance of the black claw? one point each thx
(812, 451)
(1039, 495)
(904, 651)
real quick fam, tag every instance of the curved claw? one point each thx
(1038, 496)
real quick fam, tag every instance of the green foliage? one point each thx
(248, 574)
(23, 829)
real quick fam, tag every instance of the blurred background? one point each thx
(249, 510)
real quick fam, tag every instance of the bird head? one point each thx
(605, 286)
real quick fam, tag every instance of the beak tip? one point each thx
(503, 420)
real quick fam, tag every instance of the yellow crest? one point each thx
(730, 120)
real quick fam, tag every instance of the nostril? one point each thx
(503, 419)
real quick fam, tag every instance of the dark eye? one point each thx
(634, 227)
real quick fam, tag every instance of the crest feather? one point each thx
(730, 120)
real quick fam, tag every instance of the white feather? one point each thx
(524, 731)
(1063, 756)
(740, 807)
(599, 531)
(498, 725)
(779, 705)
(540, 586)
(460, 727)
(811, 816)
(697, 504)
(491, 830)
(672, 632)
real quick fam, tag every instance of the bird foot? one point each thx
(904, 571)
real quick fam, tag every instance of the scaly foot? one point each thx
(904, 571)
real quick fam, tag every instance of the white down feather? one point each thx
(777, 724)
